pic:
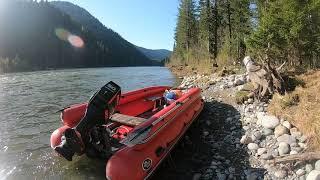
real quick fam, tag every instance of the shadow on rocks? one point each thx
(211, 149)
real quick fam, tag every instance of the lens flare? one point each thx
(65, 35)
(75, 41)
(62, 34)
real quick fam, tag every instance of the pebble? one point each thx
(297, 149)
(252, 176)
(280, 173)
(245, 139)
(261, 151)
(302, 145)
(280, 130)
(314, 175)
(256, 136)
(293, 152)
(221, 176)
(261, 109)
(205, 133)
(253, 146)
(232, 170)
(295, 132)
(300, 172)
(223, 86)
(238, 82)
(240, 88)
(250, 101)
(196, 176)
(287, 139)
(246, 128)
(230, 84)
(317, 165)
(303, 138)
(269, 122)
(283, 148)
(275, 153)
(267, 132)
(266, 156)
(286, 124)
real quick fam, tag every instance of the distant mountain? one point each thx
(37, 36)
(112, 40)
(155, 54)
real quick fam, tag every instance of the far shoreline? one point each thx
(59, 69)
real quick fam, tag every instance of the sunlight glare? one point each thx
(75, 41)
(65, 35)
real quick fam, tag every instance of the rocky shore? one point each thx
(239, 141)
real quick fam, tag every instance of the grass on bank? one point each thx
(302, 106)
(199, 62)
(243, 95)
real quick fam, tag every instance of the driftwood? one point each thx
(307, 156)
(266, 79)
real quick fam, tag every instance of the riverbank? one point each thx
(237, 141)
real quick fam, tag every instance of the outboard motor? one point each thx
(100, 107)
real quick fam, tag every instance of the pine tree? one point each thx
(291, 28)
(204, 23)
(186, 30)
(208, 28)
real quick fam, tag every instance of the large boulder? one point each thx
(314, 175)
(269, 122)
(317, 165)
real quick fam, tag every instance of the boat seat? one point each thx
(158, 101)
(127, 120)
(154, 98)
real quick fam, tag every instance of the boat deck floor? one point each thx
(127, 120)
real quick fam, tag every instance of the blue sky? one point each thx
(146, 23)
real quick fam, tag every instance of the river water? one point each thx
(28, 102)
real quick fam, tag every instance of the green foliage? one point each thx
(221, 28)
(241, 96)
(186, 30)
(291, 28)
(284, 30)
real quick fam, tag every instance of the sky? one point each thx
(146, 23)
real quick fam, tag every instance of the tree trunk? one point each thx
(230, 27)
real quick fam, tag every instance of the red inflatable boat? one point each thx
(140, 132)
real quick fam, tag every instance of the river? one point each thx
(28, 105)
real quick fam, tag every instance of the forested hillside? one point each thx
(222, 32)
(155, 54)
(119, 47)
(37, 36)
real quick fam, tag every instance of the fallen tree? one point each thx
(307, 156)
(265, 79)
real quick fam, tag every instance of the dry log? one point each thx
(307, 156)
